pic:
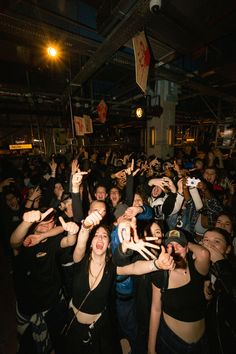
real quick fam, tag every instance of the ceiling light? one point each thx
(52, 52)
(139, 112)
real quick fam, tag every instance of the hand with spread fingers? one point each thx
(129, 239)
(71, 227)
(36, 216)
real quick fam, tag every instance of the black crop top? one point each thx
(186, 303)
(99, 297)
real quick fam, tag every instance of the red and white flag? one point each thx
(79, 126)
(142, 60)
(88, 124)
(102, 111)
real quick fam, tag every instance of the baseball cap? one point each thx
(175, 236)
(120, 210)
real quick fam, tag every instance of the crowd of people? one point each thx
(105, 249)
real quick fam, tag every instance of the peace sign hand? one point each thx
(71, 227)
(36, 193)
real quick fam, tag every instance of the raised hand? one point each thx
(141, 248)
(77, 180)
(129, 239)
(74, 166)
(35, 194)
(132, 212)
(108, 153)
(124, 231)
(71, 227)
(92, 220)
(53, 165)
(36, 216)
(156, 182)
(167, 182)
(230, 185)
(130, 170)
(6, 182)
(120, 174)
(165, 260)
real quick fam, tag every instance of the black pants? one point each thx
(102, 339)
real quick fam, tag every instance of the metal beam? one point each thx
(134, 21)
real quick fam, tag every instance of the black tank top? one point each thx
(186, 303)
(100, 296)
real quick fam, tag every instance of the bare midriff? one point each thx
(190, 332)
(83, 317)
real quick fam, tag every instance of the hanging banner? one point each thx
(142, 60)
(79, 126)
(60, 136)
(102, 111)
(20, 146)
(88, 124)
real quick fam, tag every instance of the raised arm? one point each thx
(76, 199)
(201, 256)
(163, 262)
(72, 230)
(29, 219)
(91, 220)
(34, 239)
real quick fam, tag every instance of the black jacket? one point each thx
(221, 313)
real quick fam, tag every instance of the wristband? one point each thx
(86, 227)
(153, 266)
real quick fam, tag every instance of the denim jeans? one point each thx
(169, 343)
(126, 314)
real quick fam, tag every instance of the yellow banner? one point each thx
(20, 146)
